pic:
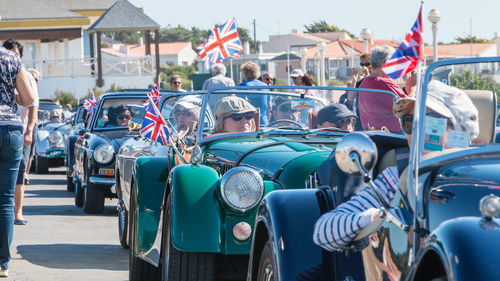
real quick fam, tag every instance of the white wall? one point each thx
(80, 86)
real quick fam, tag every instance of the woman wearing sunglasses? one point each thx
(234, 114)
(121, 115)
(456, 115)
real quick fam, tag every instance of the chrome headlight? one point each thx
(104, 154)
(490, 206)
(55, 137)
(242, 188)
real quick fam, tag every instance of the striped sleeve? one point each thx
(336, 229)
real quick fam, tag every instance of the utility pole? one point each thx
(254, 37)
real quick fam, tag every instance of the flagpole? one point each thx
(231, 68)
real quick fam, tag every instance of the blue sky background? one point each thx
(387, 19)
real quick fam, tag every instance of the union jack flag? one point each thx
(155, 95)
(90, 104)
(222, 43)
(406, 57)
(154, 126)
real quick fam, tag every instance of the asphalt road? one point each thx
(60, 241)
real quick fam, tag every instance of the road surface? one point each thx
(60, 241)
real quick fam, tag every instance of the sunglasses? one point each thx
(124, 116)
(268, 79)
(365, 64)
(346, 121)
(238, 117)
(176, 83)
(406, 123)
(182, 112)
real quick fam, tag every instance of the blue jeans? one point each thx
(11, 152)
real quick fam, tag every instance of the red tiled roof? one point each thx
(464, 49)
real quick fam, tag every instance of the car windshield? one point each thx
(460, 108)
(117, 113)
(263, 110)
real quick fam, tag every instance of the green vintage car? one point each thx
(192, 211)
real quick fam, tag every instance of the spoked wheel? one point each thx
(139, 269)
(123, 226)
(182, 266)
(266, 266)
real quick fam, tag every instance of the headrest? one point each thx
(486, 104)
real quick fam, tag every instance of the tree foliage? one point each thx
(468, 81)
(322, 26)
(467, 39)
(64, 98)
(126, 37)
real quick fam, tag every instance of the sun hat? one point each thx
(189, 102)
(297, 73)
(449, 102)
(231, 105)
(334, 113)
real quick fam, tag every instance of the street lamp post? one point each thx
(321, 48)
(365, 34)
(434, 17)
(318, 68)
(303, 54)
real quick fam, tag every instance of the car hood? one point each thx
(458, 189)
(61, 127)
(115, 137)
(284, 157)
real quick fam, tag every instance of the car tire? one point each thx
(78, 193)
(123, 226)
(93, 202)
(41, 165)
(70, 185)
(266, 265)
(182, 266)
(138, 269)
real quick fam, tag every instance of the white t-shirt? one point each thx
(23, 110)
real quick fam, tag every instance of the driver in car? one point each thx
(120, 116)
(283, 111)
(336, 229)
(186, 112)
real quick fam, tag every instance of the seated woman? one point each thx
(120, 116)
(234, 114)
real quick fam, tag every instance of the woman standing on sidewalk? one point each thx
(12, 76)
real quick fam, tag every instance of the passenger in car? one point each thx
(186, 112)
(336, 229)
(336, 116)
(120, 116)
(234, 114)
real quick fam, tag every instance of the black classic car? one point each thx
(442, 223)
(117, 118)
(77, 125)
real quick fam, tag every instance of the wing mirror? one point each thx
(356, 154)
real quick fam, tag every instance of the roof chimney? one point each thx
(295, 31)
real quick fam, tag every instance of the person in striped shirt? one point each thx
(336, 229)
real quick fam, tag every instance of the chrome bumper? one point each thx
(103, 181)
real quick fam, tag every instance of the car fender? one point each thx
(42, 141)
(150, 176)
(287, 218)
(196, 219)
(468, 248)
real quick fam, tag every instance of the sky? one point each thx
(387, 19)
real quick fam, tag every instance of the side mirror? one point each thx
(356, 154)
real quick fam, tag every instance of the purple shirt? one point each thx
(375, 109)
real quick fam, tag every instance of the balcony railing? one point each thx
(87, 67)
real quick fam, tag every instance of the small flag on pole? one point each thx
(155, 95)
(154, 126)
(223, 43)
(408, 53)
(90, 104)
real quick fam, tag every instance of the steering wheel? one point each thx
(288, 121)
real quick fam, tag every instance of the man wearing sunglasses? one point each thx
(186, 112)
(336, 116)
(450, 118)
(282, 110)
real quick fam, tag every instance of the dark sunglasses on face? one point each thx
(268, 79)
(406, 123)
(346, 121)
(182, 112)
(365, 64)
(238, 117)
(124, 116)
(176, 83)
